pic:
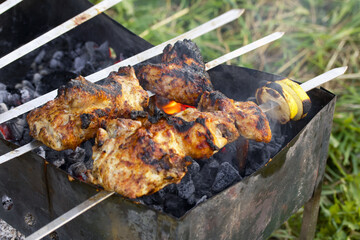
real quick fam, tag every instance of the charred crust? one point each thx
(224, 131)
(260, 124)
(306, 106)
(201, 121)
(179, 124)
(86, 120)
(274, 93)
(184, 49)
(209, 140)
(138, 114)
(275, 86)
(101, 113)
(215, 96)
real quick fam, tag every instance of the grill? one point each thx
(250, 209)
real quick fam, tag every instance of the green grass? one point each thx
(320, 35)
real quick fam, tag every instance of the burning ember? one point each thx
(170, 107)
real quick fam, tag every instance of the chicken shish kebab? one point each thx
(144, 159)
(180, 77)
(293, 102)
(135, 158)
(79, 109)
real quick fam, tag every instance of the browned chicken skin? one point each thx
(145, 159)
(81, 106)
(249, 118)
(181, 76)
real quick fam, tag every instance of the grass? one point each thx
(320, 35)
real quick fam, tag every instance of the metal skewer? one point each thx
(57, 31)
(70, 215)
(236, 53)
(7, 5)
(91, 202)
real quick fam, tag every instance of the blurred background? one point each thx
(320, 35)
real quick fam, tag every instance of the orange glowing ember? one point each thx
(173, 107)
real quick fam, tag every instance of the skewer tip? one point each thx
(238, 11)
(341, 70)
(280, 34)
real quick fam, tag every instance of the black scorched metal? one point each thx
(251, 209)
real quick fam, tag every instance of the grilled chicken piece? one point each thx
(155, 156)
(181, 76)
(251, 122)
(81, 106)
(143, 160)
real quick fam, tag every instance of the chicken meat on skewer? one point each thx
(147, 157)
(81, 107)
(180, 76)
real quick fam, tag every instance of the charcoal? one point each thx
(17, 126)
(2, 87)
(191, 200)
(226, 153)
(26, 138)
(78, 155)
(158, 208)
(87, 146)
(40, 57)
(77, 169)
(104, 49)
(257, 155)
(44, 72)
(55, 157)
(194, 168)
(7, 202)
(171, 188)
(37, 79)
(175, 205)
(156, 198)
(27, 84)
(79, 64)
(204, 179)
(4, 95)
(13, 100)
(3, 107)
(186, 187)
(226, 175)
(28, 94)
(202, 199)
(40, 151)
(59, 162)
(213, 164)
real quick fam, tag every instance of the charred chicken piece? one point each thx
(81, 106)
(181, 75)
(250, 120)
(156, 155)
